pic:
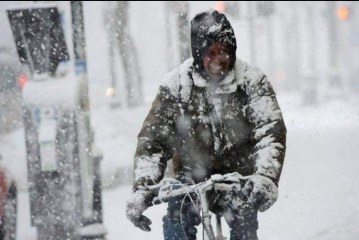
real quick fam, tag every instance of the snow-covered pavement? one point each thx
(318, 194)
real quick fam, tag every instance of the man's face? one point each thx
(216, 61)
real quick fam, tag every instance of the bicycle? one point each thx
(170, 188)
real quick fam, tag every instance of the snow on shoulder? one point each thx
(179, 77)
(247, 74)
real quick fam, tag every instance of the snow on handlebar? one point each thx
(169, 188)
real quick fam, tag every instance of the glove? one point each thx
(261, 191)
(139, 201)
(221, 200)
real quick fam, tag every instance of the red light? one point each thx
(220, 6)
(22, 80)
(343, 12)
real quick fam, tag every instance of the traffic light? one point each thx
(342, 12)
(228, 7)
(220, 6)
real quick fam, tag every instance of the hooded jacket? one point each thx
(237, 127)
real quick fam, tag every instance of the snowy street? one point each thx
(310, 62)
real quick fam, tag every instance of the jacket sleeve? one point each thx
(269, 131)
(156, 140)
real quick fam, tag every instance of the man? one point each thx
(213, 115)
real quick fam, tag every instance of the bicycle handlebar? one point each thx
(169, 188)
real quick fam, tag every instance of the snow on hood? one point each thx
(206, 28)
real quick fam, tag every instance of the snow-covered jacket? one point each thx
(237, 127)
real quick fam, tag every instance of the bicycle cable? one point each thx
(194, 205)
(209, 234)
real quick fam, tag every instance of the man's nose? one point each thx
(219, 59)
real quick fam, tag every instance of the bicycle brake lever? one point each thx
(164, 183)
(156, 201)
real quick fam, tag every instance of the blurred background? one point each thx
(310, 52)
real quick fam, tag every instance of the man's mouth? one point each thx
(215, 66)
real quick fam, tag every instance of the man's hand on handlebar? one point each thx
(261, 191)
(230, 191)
(256, 190)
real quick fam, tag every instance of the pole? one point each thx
(88, 159)
(333, 39)
(251, 26)
(271, 58)
(183, 30)
(128, 54)
(79, 43)
(110, 25)
(312, 84)
(336, 86)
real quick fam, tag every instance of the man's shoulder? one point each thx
(247, 74)
(252, 79)
(178, 76)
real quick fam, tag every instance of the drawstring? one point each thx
(216, 124)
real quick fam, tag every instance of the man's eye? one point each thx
(225, 55)
(210, 54)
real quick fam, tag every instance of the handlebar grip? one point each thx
(230, 187)
(226, 186)
(165, 194)
(170, 189)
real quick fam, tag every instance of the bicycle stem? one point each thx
(206, 215)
